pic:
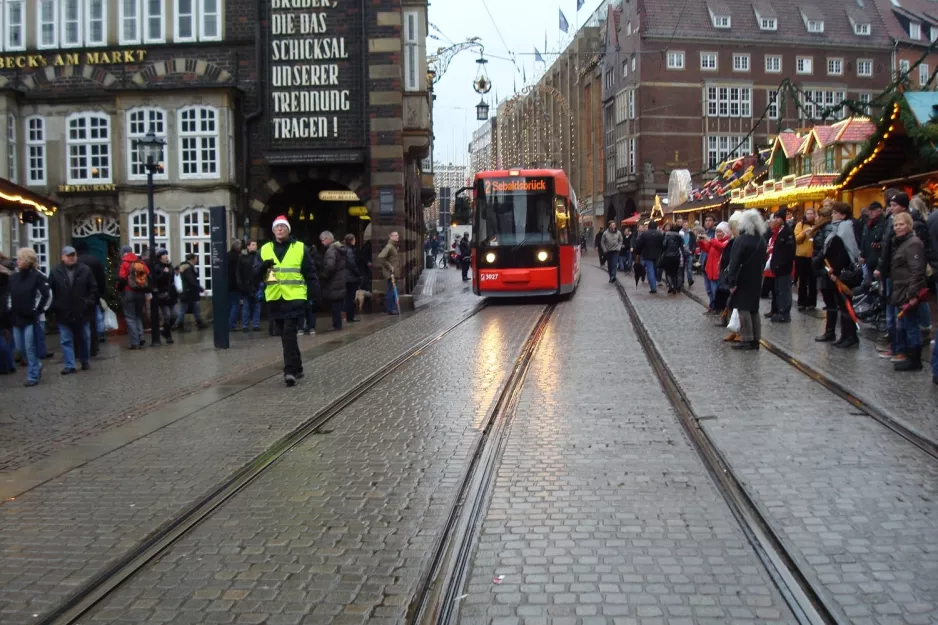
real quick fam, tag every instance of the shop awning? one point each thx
(14, 198)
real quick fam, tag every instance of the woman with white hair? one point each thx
(29, 299)
(744, 277)
(713, 248)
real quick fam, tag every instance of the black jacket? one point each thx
(932, 248)
(28, 297)
(871, 241)
(233, 257)
(783, 253)
(353, 273)
(747, 262)
(93, 263)
(245, 274)
(334, 272)
(191, 289)
(817, 259)
(649, 245)
(73, 303)
(292, 309)
(163, 278)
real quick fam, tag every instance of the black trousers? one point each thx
(94, 332)
(807, 284)
(292, 361)
(350, 289)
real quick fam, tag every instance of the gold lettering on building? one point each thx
(35, 61)
(86, 188)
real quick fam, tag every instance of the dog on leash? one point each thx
(360, 296)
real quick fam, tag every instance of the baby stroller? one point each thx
(870, 305)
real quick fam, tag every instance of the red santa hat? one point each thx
(281, 221)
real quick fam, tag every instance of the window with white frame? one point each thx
(729, 101)
(39, 240)
(129, 19)
(47, 33)
(773, 64)
(865, 99)
(632, 156)
(142, 21)
(89, 148)
(903, 68)
(625, 69)
(196, 239)
(140, 231)
(864, 67)
(708, 61)
(628, 29)
(804, 65)
(12, 163)
(634, 63)
(768, 23)
(14, 21)
(197, 20)
(140, 122)
(198, 147)
(675, 59)
(815, 26)
(819, 104)
(923, 74)
(35, 151)
(835, 67)
(620, 107)
(621, 157)
(772, 99)
(154, 19)
(721, 21)
(59, 23)
(631, 110)
(722, 147)
(862, 29)
(933, 33)
(96, 23)
(740, 62)
(411, 49)
(915, 31)
(71, 23)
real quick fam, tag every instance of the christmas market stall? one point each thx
(717, 196)
(19, 208)
(901, 152)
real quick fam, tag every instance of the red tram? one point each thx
(525, 233)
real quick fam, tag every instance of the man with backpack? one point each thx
(134, 280)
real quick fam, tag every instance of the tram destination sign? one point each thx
(514, 185)
(315, 75)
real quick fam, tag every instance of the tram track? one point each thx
(878, 414)
(800, 593)
(102, 585)
(437, 598)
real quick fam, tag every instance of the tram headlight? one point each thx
(542, 256)
(490, 257)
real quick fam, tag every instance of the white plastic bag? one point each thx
(177, 281)
(110, 320)
(733, 325)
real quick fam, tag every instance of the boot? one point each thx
(168, 333)
(912, 362)
(829, 330)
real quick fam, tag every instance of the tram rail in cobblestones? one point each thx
(803, 598)
(921, 441)
(437, 599)
(102, 585)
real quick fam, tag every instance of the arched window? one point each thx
(198, 147)
(139, 238)
(139, 122)
(89, 148)
(39, 240)
(196, 239)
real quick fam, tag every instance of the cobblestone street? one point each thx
(600, 510)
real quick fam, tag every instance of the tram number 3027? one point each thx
(485, 277)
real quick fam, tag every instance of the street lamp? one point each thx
(482, 110)
(151, 150)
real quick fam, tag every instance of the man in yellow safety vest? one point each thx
(286, 269)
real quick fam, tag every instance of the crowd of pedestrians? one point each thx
(338, 275)
(879, 268)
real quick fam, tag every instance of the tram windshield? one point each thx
(514, 211)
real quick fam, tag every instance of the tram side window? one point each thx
(564, 225)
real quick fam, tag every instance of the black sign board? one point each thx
(219, 241)
(315, 74)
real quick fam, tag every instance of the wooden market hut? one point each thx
(23, 205)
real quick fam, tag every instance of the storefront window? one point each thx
(196, 239)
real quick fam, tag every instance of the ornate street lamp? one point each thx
(482, 110)
(151, 150)
(481, 84)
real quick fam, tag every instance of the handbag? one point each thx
(852, 276)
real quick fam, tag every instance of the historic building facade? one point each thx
(313, 108)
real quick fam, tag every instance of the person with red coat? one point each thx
(134, 281)
(713, 248)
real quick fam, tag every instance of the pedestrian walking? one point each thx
(74, 296)
(134, 281)
(246, 278)
(390, 269)
(28, 300)
(611, 245)
(165, 294)
(744, 277)
(191, 293)
(334, 262)
(94, 263)
(782, 266)
(353, 277)
(286, 268)
(465, 257)
(669, 263)
(598, 244)
(234, 295)
(648, 246)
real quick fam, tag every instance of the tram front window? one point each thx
(515, 211)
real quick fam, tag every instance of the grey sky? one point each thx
(522, 24)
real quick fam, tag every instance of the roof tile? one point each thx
(764, 9)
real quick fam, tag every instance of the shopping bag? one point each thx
(177, 282)
(733, 325)
(110, 320)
